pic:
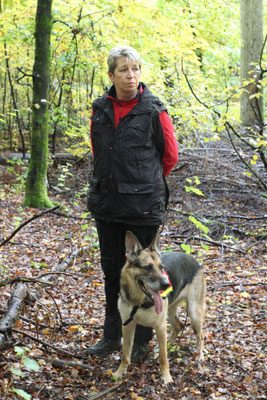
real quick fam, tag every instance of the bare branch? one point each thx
(27, 222)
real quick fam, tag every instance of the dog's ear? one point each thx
(155, 245)
(133, 247)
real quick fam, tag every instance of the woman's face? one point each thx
(125, 78)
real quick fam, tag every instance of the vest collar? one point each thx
(144, 105)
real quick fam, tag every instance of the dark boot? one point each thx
(103, 347)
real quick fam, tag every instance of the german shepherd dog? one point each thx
(140, 300)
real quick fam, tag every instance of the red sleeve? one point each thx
(91, 125)
(170, 156)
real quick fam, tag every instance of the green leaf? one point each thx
(85, 215)
(195, 190)
(84, 227)
(186, 248)
(199, 225)
(17, 372)
(19, 350)
(197, 181)
(22, 394)
(31, 364)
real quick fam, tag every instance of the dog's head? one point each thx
(146, 268)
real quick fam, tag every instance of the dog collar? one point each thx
(164, 293)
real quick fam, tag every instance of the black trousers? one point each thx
(112, 248)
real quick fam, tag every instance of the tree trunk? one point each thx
(251, 21)
(14, 100)
(36, 184)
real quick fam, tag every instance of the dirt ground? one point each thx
(68, 315)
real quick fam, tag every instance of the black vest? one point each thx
(128, 184)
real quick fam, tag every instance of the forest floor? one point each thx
(68, 317)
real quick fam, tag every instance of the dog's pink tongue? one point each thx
(157, 302)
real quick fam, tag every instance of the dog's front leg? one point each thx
(128, 337)
(163, 360)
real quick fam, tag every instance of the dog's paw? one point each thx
(166, 379)
(119, 373)
(116, 376)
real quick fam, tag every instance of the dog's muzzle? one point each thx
(154, 293)
(145, 289)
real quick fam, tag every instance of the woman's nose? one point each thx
(130, 73)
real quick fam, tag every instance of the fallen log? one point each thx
(61, 157)
(15, 304)
(22, 292)
(57, 363)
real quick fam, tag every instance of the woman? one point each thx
(134, 149)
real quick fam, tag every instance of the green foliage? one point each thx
(177, 39)
(63, 176)
(187, 249)
(22, 393)
(27, 363)
(18, 168)
(194, 189)
(204, 35)
(199, 225)
(38, 265)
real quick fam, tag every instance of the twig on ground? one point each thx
(55, 348)
(57, 363)
(225, 284)
(213, 242)
(58, 310)
(27, 222)
(99, 395)
(22, 279)
(25, 279)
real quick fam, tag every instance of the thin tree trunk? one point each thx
(36, 185)
(14, 100)
(251, 21)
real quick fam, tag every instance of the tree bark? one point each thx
(15, 304)
(36, 184)
(251, 22)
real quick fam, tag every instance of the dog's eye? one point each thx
(149, 267)
(161, 267)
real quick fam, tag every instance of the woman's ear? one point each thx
(111, 76)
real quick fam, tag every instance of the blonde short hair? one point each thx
(122, 51)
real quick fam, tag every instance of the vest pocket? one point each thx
(137, 199)
(135, 188)
(99, 122)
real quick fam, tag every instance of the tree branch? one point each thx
(229, 127)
